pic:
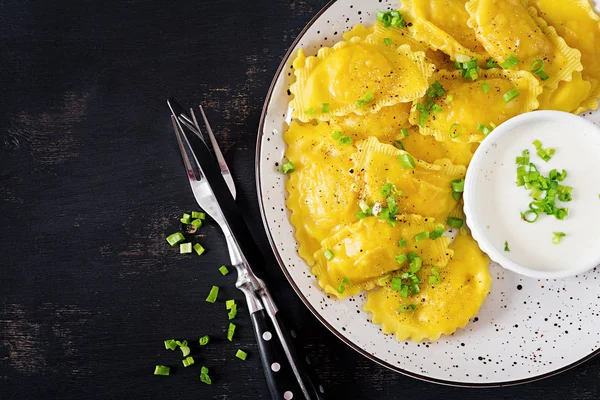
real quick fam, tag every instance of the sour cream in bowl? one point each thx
(525, 212)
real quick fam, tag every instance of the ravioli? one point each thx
(359, 76)
(319, 204)
(443, 25)
(365, 251)
(459, 119)
(386, 124)
(579, 25)
(428, 149)
(426, 189)
(440, 308)
(568, 96)
(508, 28)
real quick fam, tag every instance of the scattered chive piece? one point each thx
(407, 308)
(436, 109)
(510, 62)
(185, 350)
(229, 304)
(458, 185)
(188, 361)
(170, 344)
(435, 91)
(485, 87)
(510, 95)
(162, 370)
(185, 248)
(386, 189)
(365, 99)
(337, 135)
(224, 270)
(325, 107)
(212, 296)
(186, 219)
(387, 41)
(434, 278)
(393, 18)
(341, 286)
(455, 222)
(558, 236)
(328, 254)
(400, 258)
(396, 283)
(196, 223)
(204, 378)
(175, 238)
(406, 161)
(288, 167)
(402, 242)
(198, 215)
(493, 125)
(398, 144)
(204, 340)
(506, 246)
(457, 132)
(241, 354)
(230, 331)
(421, 236)
(232, 312)
(404, 291)
(456, 195)
(437, 233)
(530, 216)
(199, 249)
(310, 111)
(537, 67)
(490, 63)
(404, 132)
(449, 98)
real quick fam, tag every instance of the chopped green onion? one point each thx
(404, 132)
(337, 135)
(186, 219)
(346, 140)
(198, 215)
(510, 95)
(365, 99)
(558, 236)
(170, 344)
(396, 283)
(458, 185)
(162, 370)
(434, 278)
(522, 160)
(196, 223)
(454, 222)
(175, 238)
(506, 246)
(223, 269)
(454, 133)
(415, 265)
(543, 76)
(400, 258)
(204, 340)
(230, 331)
(457, 195)
(493, 125)
(212, 296)
(436, 109)
(241, 354)
(406, 161)
(398, 144)
(421, 236)
(537, 144)
(229, 304)
(537, 67)
(232, 312)
(188, 361)
(384, 279)
(185, 248)
(386, 189)
(510, 62)
(288, 167)
(185, 350)
(485, 87)
(328, 254)
(402, 242)
(341, 286)
(199, 249)
(490, 63)
(486, 131)
(530, 216)
(310, 111)
(204, 378)
(385, 18)
(407, 308)
(325, 107)
(437, 233)
(387, 41)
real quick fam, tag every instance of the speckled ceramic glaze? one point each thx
(527, 329)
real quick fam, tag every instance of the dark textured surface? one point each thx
(91, 182)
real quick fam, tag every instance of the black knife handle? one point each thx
(280, 377)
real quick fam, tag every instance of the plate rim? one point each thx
(291, 281)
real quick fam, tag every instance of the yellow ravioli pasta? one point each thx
(385, 124)
(568, 96)
(344, 74)
(428, 149)
(426, 188)
(471, 106)
(508, 28)
(319, 203)
(443, 25)
(441, 308)
(364, 252)
(579, 25)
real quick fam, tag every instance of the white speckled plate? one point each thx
(527, 329)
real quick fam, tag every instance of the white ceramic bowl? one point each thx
(493, 201)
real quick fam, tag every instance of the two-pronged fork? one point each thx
(214, 191)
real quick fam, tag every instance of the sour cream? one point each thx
(493, 201)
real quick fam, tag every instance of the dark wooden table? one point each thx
(91, 182)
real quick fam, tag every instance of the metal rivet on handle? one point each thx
(275, 367)
(288, 395)
(267, 336)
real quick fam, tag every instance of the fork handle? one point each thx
(280, 377)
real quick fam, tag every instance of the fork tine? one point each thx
(186, 160)
(220, 159)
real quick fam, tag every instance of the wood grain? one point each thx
(91, 182)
